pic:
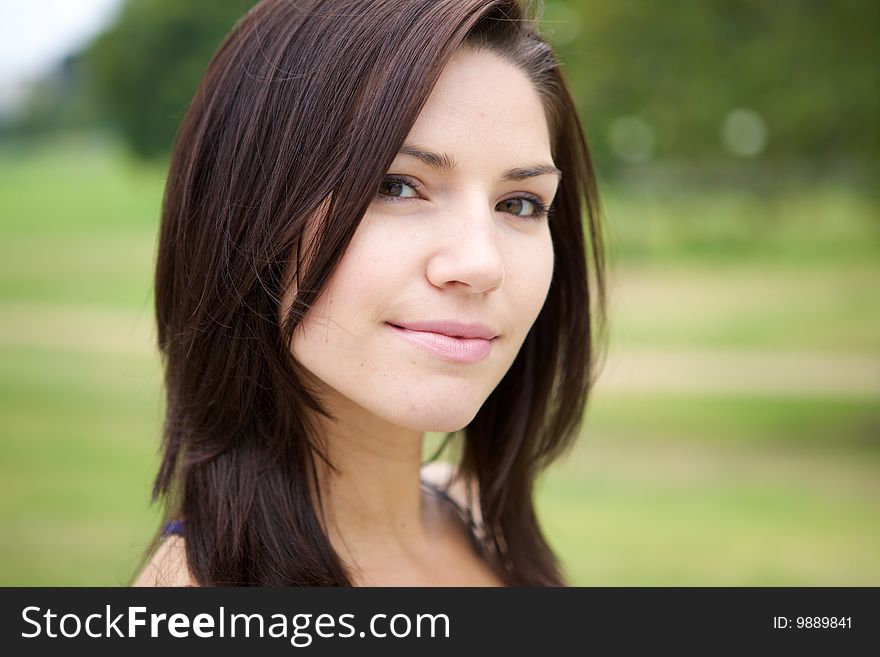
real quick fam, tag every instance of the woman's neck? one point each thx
(373, 502)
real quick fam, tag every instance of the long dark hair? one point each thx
(307, 102)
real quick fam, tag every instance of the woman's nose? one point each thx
(469, 255)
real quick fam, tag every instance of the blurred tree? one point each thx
(58, 101)
(147, 65)
(806, 71)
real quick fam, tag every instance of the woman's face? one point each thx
(455, 234)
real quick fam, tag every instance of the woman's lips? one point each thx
(458, 350)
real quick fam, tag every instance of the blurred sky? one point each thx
(36, 34)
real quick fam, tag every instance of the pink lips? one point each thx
(475, 347)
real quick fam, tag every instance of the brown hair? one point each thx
(303, 102)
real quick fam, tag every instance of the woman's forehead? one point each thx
(483, 106)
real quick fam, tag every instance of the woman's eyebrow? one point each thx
(443, 162)
(521, 173)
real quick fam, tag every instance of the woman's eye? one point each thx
(396, 188)
(523, 207)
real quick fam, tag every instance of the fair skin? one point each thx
(465, 243)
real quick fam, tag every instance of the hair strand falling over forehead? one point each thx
(301, 110)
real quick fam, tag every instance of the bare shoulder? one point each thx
(168, 566)
(445, 475)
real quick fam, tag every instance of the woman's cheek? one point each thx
(531, 273)
(546, 258)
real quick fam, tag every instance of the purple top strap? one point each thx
(173, 528)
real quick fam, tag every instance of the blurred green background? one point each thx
(734, 435)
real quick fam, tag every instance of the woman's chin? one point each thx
(436, 419)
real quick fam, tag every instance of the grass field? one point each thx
(734, 437)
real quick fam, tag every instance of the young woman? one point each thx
(373, 228)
